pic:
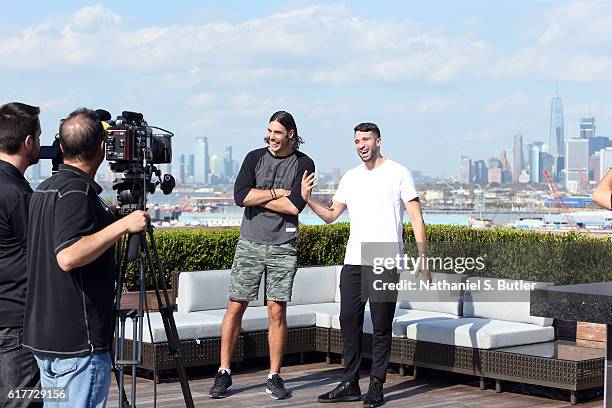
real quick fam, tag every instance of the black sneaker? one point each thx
(374, 397)
(276, 387)
(344, 392)
(222, 384)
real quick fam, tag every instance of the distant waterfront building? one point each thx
(182, 178)
(605, 162)
(228, 163)
(556, 140)
(517, 164)
(546, 165)
(535, 163)
(480, 172)
(190, 168)
(577, 164)
(202, 165)
(597, 143)
(595, 167)
(465, 172)
(494, 175)
(587, 127)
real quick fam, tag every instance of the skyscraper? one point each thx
(517, 163)
(480, 171)
(587, 127)
(228, 163)
(465, 172)
(190, 168)
(202, 164)
(556, 139)
(576, 165)
(182, 178)
(535, 163)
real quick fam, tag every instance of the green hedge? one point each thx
(560, 258)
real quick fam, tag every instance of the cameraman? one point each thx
(19, 149)
(71, 268)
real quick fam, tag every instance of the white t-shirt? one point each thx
(375, 203)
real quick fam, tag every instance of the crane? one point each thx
(555, 193)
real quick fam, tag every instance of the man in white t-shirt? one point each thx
(375, 194)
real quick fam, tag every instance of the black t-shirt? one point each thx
(262, 170)
(13, 236)
(67, 313)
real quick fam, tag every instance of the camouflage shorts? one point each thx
(279, 262)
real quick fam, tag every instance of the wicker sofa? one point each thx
(452, 331)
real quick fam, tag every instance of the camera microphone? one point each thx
(104, 115)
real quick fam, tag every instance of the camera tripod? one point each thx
(148, 258)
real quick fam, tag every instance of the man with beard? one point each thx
(19, 149)
(375, 194)
(269, 188)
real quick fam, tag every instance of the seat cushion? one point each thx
(435, 298)
(405, 317)
(503, 303)
(324, 312)
(255, 318)
(479, 333)
(188, 325)
(314, 285)
(207, 290)
(335, 321)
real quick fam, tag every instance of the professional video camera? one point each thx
(133, 148)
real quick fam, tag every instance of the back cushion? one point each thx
(203, 290)
(507, 302)
(442, 301)
(314, 285)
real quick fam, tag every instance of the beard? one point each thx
(33, 157)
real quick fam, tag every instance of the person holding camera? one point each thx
(19, 149)
(71, 268)
(268, 186)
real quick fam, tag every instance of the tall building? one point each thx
(596, 143)
(587, 127)
(605, 162)
(190, 167)
(182, 177)
(465, 172)
(576, 165)
(556, 139)
(535, 163)
(228, 162)
(480, 172)
(517, 164)
(202, 165)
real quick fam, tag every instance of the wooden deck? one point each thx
(432, 389)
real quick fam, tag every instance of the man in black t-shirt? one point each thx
(268, 186)
(19, 149)
(71, 272)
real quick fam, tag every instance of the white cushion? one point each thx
(510, 305)
(479, 333)
(188, 326)
(203, 290)
(423, 298)
(324, 312)
(255, 318)
(314, 285)
(337, 284)
(207, 290)
(407, 317)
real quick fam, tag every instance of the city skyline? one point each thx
(442, 79)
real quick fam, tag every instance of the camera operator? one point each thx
(19, 149)
(71, 268)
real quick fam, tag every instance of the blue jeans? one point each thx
(87, 379)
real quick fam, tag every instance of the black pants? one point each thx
(354, 293)
(18, 368)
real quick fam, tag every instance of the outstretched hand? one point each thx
(308, 183)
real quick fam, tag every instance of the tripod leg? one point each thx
(166, 311)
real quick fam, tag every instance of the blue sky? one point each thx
(441, 78)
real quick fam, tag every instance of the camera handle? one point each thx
(149, 259)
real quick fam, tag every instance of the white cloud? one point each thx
(508, 103)
(425, 106)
